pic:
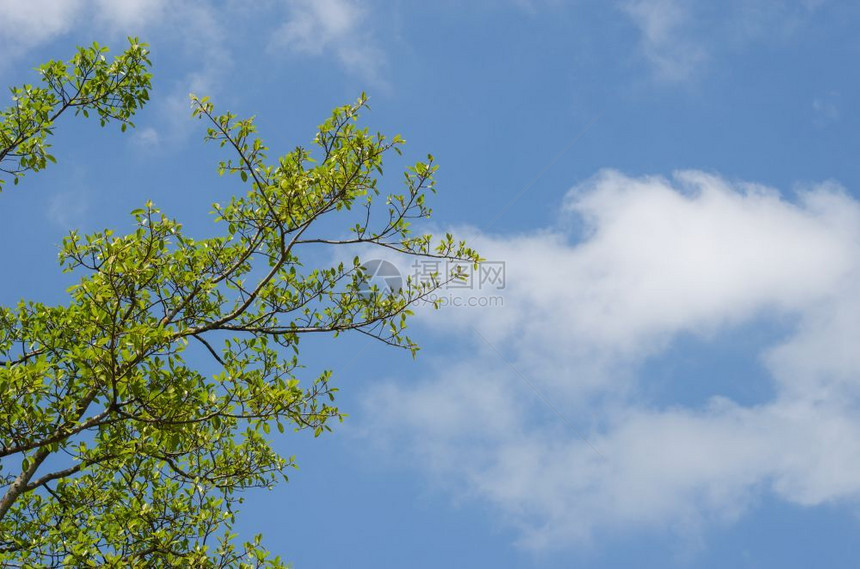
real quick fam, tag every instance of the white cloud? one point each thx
(193, 31)
(203, 40)
(662, 24)
(68, 209)
(826, 109)
(678, 38)
(148, 138)
(130, 15)
(29, 24)
(655, 258)
(339, 27)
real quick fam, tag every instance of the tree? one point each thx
(114, 449)
(87, 83)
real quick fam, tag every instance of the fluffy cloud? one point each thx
(640, 262)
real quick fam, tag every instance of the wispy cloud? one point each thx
(130, 13)
(193, 30)
(663, 25)
(678, 38)
(196, 33)
(68, 209)
(204, 42)
(656, 259)
(336, 27)
(30, 24)
(826, 108)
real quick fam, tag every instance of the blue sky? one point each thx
(671, 379)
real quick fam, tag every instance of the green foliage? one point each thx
(114, 449)
(88, 83)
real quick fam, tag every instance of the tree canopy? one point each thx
(114, 449)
